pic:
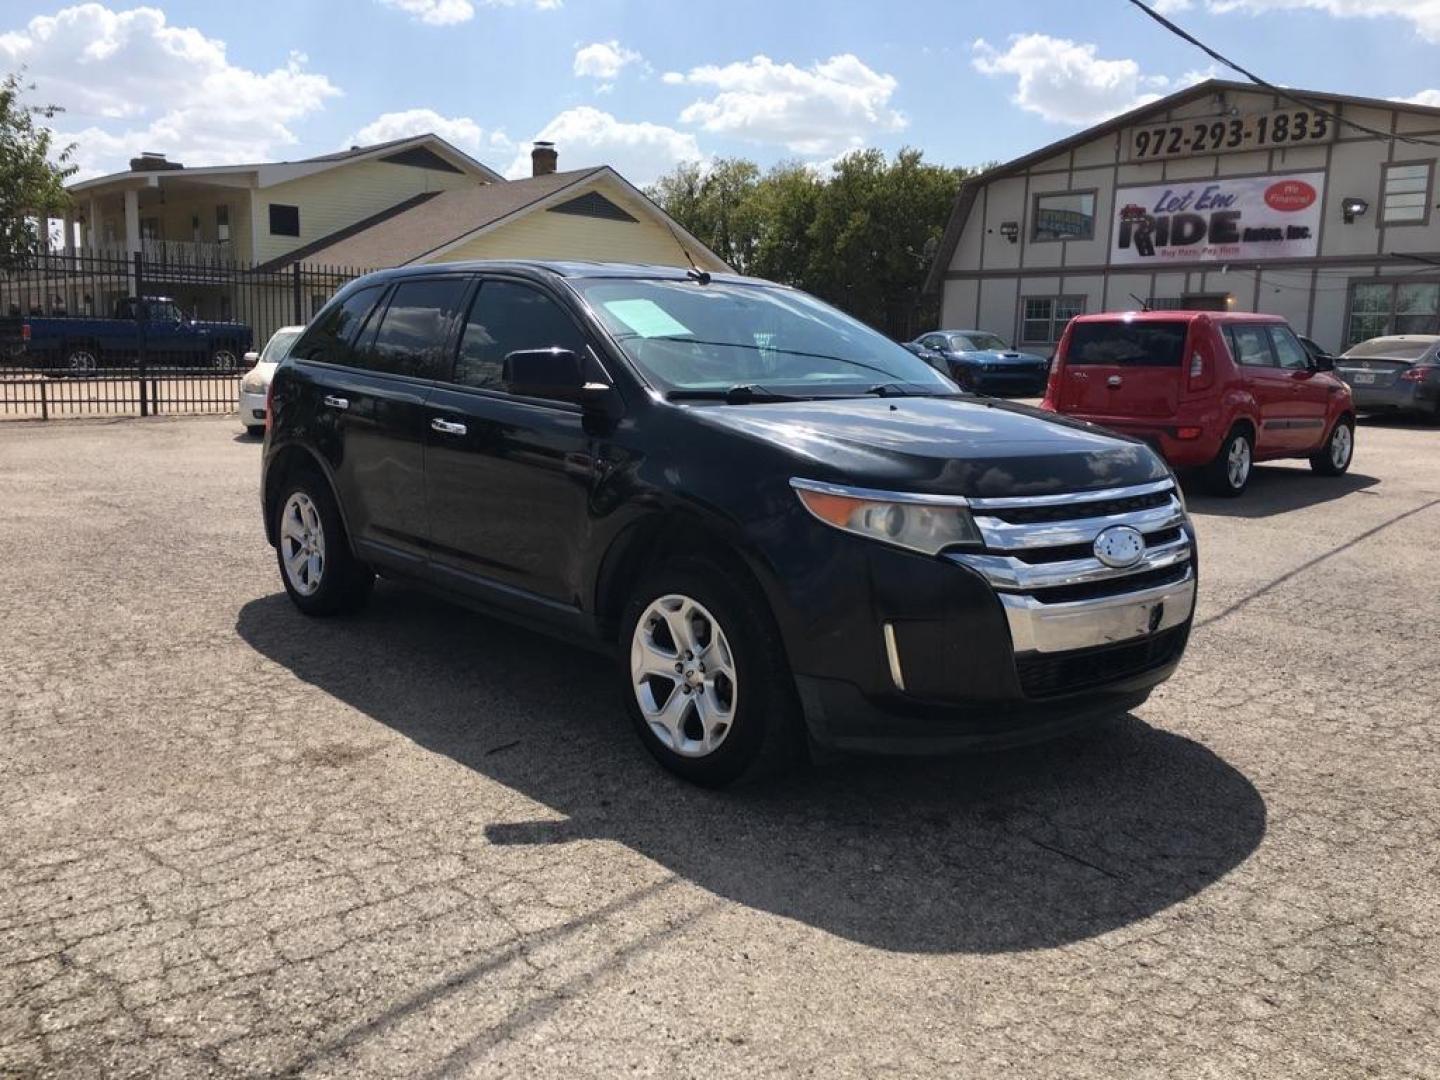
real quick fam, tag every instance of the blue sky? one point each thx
(641, 84)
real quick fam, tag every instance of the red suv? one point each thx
(1209, 390)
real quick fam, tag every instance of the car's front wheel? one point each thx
(706, 682)
(320, 573)
(1335, 456)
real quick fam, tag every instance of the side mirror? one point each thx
(252, 358)
(1322, 363)
(555, 374)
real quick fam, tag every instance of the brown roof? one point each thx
(421, 224)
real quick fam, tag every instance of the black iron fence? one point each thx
(97, 335)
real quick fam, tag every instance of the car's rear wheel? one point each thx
(320, 573)
(1229, 473)
(223, 359)
(705, 677)
(82, 360)
(1335, 456)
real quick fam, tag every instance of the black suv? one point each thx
(778, 521)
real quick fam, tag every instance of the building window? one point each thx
(1379, 308)
(1405, 197)
(222, 224)
(150, 228)
(1045, 317)
(195, 228)
(1070, 216)
(284, 220)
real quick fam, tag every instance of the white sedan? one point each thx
(256, 382)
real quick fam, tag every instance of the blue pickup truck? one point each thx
(79, 345)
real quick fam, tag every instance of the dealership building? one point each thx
(1219, 197)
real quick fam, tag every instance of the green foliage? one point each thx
(32, 187)
(861, 237)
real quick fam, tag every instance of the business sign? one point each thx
(1230, 134)
(1218, 220)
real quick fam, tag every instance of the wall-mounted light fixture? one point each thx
(1010, 230)
(1351, 207)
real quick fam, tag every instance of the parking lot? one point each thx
(420, 843)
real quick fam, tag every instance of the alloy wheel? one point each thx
(1237, 464)
(1342, 445)
(302, 544)
(683, 673)
(81, 361)
(223, 360)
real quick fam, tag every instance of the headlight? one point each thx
(923, 523)
(253, 383)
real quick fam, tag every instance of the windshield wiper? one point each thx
(739, 394)
(895, 389)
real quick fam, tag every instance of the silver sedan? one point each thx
(1396, 373)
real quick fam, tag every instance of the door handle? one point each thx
(447, 427)
(337, 402)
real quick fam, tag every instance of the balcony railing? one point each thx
(185, 253)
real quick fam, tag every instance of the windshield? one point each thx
(979, 343)
(690, 337)
(1391, 349)
(278, 347)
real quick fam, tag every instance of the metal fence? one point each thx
(74, 341)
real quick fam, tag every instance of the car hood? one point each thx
(940, 445)
(999, 358)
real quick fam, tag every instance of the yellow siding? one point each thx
(545, 235)
(338, 197)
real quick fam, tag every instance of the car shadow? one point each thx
(1274, 489)
(1017, 850)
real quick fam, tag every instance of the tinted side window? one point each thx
(328, 338)
(411, 336)
(1250, 345)
(504, 318)
(1291, 353)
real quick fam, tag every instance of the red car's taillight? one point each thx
(1199, 371)
(25, 331)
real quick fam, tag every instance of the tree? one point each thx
(32, 186)
(861, 237)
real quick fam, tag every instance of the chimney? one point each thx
(543, 159)
(150, 161)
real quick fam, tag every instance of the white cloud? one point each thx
(450, 12)
(603, 59)
(586, 136)
(1066, 82)
(143, 84)
(459, 131)
(1424, 97)
(823, 109)
(1424, 15)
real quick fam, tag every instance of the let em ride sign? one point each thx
(1218, 220)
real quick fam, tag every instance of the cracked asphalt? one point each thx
(420, 843)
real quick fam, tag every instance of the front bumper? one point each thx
(1022, 641)
(252, 408)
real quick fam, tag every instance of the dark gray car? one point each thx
(1397, 373)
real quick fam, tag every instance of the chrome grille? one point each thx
(1057, 594)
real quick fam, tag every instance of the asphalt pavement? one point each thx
(420, 843)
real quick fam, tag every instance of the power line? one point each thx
(1278, 91)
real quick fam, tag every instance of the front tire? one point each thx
(320, 573)
(1229, 474)
(82, 360)
(705, 678)
(1339, 450)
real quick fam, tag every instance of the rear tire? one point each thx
(1339, 450)
(747, 690)
(317, 567)
(81, 360)
(1229, 474)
